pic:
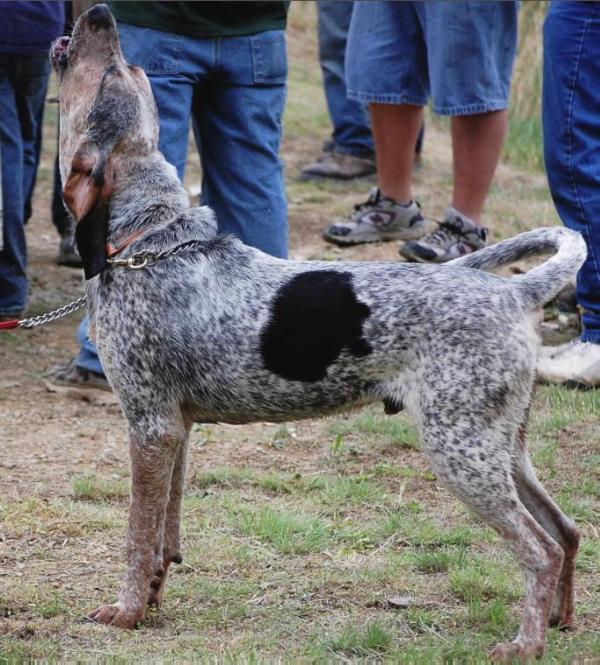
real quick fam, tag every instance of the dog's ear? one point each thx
(87, 193)
(84, 182)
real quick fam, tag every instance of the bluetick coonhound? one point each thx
(225, 333)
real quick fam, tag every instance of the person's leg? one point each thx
(88, 355)
(64, 224)
(350, 119)
(239, 115)
(386, 67)
(13, 253)
(350, 151)
(477, 142)
(471, 48)
(396, 128)
(571, 96)
(31, 83)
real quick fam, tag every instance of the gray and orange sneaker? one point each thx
(376, 220)
(456, 236)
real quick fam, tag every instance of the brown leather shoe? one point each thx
(339, 166)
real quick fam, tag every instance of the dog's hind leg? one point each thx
(170, 552)
(153, 449)
(556, 523)
(473, 460)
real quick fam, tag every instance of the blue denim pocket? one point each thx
(269, 57)
(156, 52)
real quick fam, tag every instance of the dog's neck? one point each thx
(146, 194)
(147, 201)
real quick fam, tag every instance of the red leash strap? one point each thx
(9, 325)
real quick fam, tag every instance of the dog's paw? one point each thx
(157, 584)
(507, 651)
(562, 621)
(115, 615)
(157, 587)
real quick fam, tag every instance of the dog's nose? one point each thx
(100, 16)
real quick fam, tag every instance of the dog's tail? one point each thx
(542, 283)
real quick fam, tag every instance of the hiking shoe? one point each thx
(67, 253)
(576, 364)
(74, 381)
(338, 165)
(456, 236)
(378, 218)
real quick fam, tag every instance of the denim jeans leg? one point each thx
(571, 98)
(32, 75)
(13, 252)
(350, 119)
(240, 126)
(243, 180)
(88, 355)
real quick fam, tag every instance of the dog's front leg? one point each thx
(152, 460)
(170, 552)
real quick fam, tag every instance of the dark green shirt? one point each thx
(204, 19)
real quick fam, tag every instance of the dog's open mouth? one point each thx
(59, 51)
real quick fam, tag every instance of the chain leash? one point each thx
(56, 314)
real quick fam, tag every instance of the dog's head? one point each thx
(108, 119)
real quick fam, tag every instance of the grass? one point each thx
(90, 487)
(373, 640)
(393, 431)
(523, 147)
(287, 532)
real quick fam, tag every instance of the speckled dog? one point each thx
(224, 333)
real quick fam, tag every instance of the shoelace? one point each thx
(444, 233)
(371, 201)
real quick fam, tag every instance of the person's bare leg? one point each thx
(395, 130)
(477, 142)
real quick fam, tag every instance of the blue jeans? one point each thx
(571, 103)
(460, 53)
(350, 119)
(233, 90)
(23, 83)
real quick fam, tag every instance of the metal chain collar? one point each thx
(143, 259)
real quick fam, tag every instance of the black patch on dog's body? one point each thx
(314, 316)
